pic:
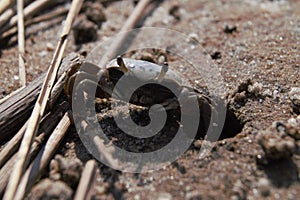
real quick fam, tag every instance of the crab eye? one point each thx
(121, 64)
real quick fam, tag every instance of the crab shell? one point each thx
(146, 72)
(149, 94)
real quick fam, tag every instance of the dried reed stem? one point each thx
(12, 146)
(87, 181)
(21, 42)
(5, 4)
(48, 124)
(11, 94)
(41, 103)
(30, 10)
(43, 158)
(130, 23)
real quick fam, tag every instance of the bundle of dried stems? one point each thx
(29, 151)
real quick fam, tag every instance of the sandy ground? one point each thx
(255, 44)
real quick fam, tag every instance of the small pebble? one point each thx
(267, 93)
(16, 77)
(293, 128)
(294, 96)
(229, 29)
(49, 46)
(275, 94)
(198, 144)
(216, 55)
(193, 38)
(161, 60)
(42, 53)
(175, 12)
(264, 187)
(240, 97)
(193, 195)
(137, 197)
(100, 190)
(163, 196)
(255, 89)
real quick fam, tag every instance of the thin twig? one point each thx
(87, 181)
(6, 170)
(41, 103)
(5, 4)
(11, 94)
(43, 158)
(129, 24)
(16, 109)
(44, 132)
(21, 42)
(47, 125)
(30, 10)
(8, 14)
(12, 146)
(47, 16)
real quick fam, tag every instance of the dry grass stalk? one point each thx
(11, 94)
(47, 125)
(41, 103)
(87, 181)
(8, 14)
(5, 4)
(48, 16)
(30, 10)
(130, 23)
(43, 158)
(21, 42)
(12, 146)
(6, 170)
(15, 110)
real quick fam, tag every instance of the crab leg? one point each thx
(162, 73)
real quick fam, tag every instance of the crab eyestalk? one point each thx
(122, 65)
(162, 73)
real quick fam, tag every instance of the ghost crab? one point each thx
(153, 77)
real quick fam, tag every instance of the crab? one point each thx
(156, 81)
